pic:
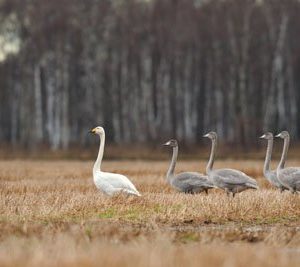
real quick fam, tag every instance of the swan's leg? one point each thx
(291, 190)
(227, 192)
(281, 189)
(206, 191)
(233, 194)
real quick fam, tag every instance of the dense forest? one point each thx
(148, 70)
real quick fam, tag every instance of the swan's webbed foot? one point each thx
(281, 189)
(294, 191)
(227, 192)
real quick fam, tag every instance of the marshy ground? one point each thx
(52, 215)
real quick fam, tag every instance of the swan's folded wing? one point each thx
(291, 174)
(234, 177)
(188, 180)
(118, 181)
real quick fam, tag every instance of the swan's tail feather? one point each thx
(132, 192)
(209, 186)
(136, 193)
(252, 185)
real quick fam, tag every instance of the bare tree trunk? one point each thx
(242, 74)
(38, 104)
(65, 133)
(276, 74)
(292, 96)
(279, 72)
(15, 114)
(232, 123)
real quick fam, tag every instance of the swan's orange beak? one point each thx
(92, 131)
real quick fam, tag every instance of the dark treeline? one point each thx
(149, 70)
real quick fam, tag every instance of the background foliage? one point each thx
(148, 70)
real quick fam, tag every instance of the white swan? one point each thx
(110, 183)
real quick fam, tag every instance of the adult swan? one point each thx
(110, 183)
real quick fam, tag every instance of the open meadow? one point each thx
(51, 214)
(108, 84)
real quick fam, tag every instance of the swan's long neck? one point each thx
(97, 165)
(171, 170)
(268, 156)
(284, 152)
(210, 163)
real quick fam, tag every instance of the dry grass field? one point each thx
(52, 215)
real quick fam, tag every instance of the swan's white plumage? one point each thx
(110, 183)
(113, 183)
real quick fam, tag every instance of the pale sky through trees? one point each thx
(9, 39)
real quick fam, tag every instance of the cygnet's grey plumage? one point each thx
(289, 177)
(187, 182)
(230, 180)
(270, 175)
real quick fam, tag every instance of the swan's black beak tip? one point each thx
(91, 131)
